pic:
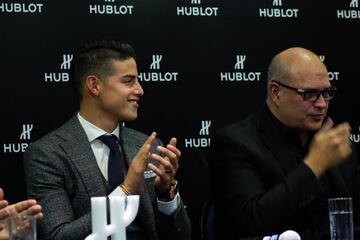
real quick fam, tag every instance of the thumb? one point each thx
(173, 141)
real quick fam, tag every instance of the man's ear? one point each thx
(274, 93)
(92, 83)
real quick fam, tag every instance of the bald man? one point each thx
(275, 170)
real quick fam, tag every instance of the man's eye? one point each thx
(313, 93)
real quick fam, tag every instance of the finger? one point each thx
(3, 203)
(166, 152)
(345, 150)
(170, 156)
(346, 129)
(1, 194)
(173, 141)
(151, 138)
(346, 141)
(165, 176)
(155, 169)
(39, 216)
(328, 124)
(342, 130)
(144, 152)
(146, 158)
(24, 205)
(166, 163)
(149, 141)
(3, 214)
(33, 210)
(174, 150)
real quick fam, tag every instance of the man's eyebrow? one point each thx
(130, 75)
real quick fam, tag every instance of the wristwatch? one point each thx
(170, 193)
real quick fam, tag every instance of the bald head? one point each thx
(292, 69)
(289, 64)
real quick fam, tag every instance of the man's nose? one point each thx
(321, 102)
(139, 90)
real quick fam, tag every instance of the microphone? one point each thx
(287, 235)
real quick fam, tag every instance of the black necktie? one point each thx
(116, 160)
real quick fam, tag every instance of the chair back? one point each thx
(208, 226)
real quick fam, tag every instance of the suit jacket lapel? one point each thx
(81, 155)
(129, 145)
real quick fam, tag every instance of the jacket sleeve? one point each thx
(176, 226)
(45, 181)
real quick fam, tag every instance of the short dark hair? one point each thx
(95, 58)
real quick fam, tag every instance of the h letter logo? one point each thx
(155, 61)
(277, 2)
(66, 61)
(121, 215)
(205, 125)
(354, 3)
(25, 135)
(240, 59)
(195, 1)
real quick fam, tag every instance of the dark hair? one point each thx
(95, 58)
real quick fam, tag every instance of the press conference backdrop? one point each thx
(202, 64)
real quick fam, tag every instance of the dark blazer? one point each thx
(260, 189)
(62, 175)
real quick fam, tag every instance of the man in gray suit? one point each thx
(67, 167)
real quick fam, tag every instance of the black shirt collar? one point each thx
(290, 135)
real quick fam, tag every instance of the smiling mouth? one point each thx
(134, 102)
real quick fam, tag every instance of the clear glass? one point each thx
(22, 227)
(341, 219)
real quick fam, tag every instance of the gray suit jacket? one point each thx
(62, 175)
